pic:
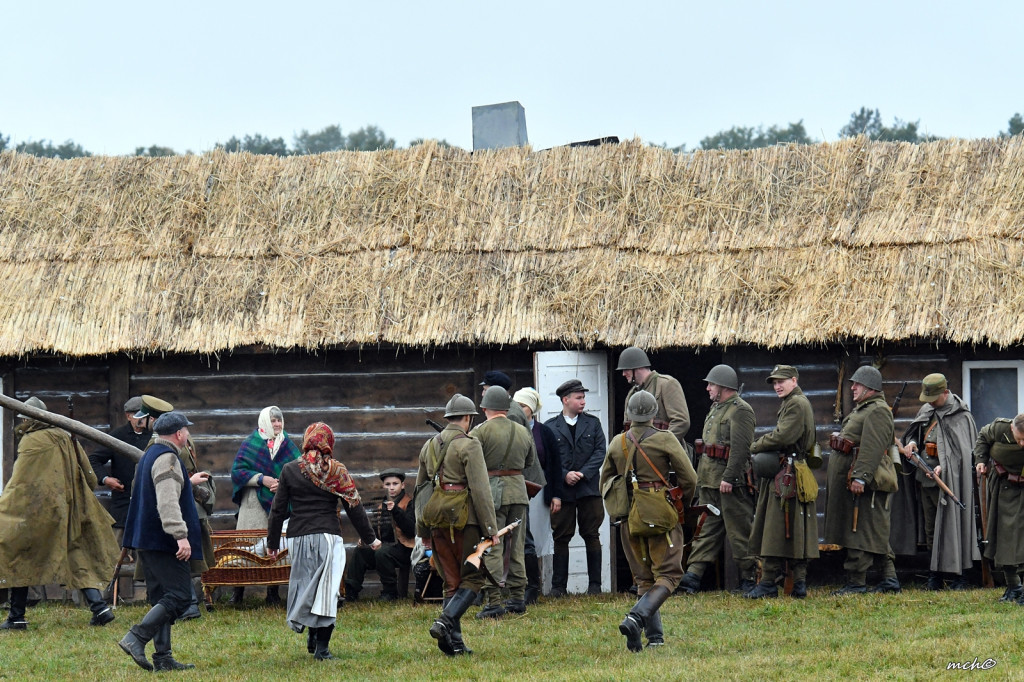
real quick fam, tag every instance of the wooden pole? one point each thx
(75, 427)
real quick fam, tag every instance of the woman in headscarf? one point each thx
(254, 476)
(307, 495)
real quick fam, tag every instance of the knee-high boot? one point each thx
(323, 641)
(654, 631)
(532, 578)
(447, 629)
(311, 640)
(16, 614)
(560, 572)
(101, 613)
(134, 642)
(594, 571)
(633, 624)
(162, 658)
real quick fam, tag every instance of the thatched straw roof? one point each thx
(613, 245)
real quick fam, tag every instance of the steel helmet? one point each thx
(632, 358)
(868, 376)
(723, 375)
(641, 407)
(495, 398)
(459, 406)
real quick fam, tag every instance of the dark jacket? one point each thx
(310, 510)
(143, 526)
(584, 453)
(105, 462)
(550, 460)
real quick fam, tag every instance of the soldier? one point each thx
(644, 455)
(785, 529)
(581, 447)
(673, 414)
(857, 513)
(1000, 450)
(946, 432)
(722, 481)
(509, 452)
(456, 463)
(52, 527)
(495, 378)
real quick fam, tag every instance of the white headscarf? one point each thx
(266, 429)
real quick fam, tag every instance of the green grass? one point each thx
(715, 636)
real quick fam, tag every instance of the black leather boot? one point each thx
(16, 614)
(532, 578)
(887, 586)
(134, 643)
(559, 573)
(323, 641)
(448, 623)
(594, 571)
(101, 613)
(193, 609)
(689, 584)
(237, 596)
(1012, 593)
(273, 595)
(162, 658)
(958, 582)
(934, 581)
(311, 640)
(633, 624)
(799, 589)
(763, 590)
(654, 631)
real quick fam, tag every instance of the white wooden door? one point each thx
(551, 369)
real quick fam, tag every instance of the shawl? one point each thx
(254, 458)
(321, 469)
(265, 427)
(52, 527)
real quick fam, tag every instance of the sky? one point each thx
(114, 76)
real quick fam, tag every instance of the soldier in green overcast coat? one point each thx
(673, 414)
(785, 529)
(722, 482)
(857, 513)
(999, 452)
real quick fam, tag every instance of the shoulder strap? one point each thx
(511, 439)
(648, 459)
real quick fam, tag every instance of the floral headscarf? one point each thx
(266, 428)
(321, 469)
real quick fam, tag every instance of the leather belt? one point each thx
(505, 472)
(1002, 472)
(453, 486)
(651, 485)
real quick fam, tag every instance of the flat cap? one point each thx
(570, 386)
(133, 405)
(166, 424)
(394, 471)
(783, 372)
(932, 387)
(495, 378)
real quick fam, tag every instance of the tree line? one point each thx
(371, 138)
(330, 139)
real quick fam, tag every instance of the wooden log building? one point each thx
(364, 289)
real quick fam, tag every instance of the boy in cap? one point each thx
(581, 447)
(395, 527)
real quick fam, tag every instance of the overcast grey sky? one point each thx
(113, 76)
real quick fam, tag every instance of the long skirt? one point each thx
(318, 562)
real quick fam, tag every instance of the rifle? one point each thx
(986, 571)
(437, 427)
(899, 397)
(476, 557)
(930, 473)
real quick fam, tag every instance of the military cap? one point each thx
(633, 358)
(459, 406)
(33, 402)
(570, 386)
(869, 377)
(133, 405)
(153, 407)
(783, 372)
(642, 407)
(933, 386)
(495, 378)
(396, 472)
(168, 423)
(495, 398)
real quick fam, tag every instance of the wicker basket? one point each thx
(240, 559)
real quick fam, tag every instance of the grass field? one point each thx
(913, 635)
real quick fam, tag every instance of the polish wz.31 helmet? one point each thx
(723, 375)
(642, 407)
(632, 358)
(868, 376)
(495, 398)
(459, 406)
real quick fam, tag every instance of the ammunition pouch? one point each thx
(842, 445)
(713, 451)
